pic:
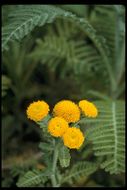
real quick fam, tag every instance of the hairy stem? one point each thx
(55, 158)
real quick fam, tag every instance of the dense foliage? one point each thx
(63, 52)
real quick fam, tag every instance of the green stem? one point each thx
(55, 158)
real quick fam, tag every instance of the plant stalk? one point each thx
(55, 158)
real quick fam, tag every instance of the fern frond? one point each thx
(108, 135)
(78, 56)
(104, 20)
(78, 170)
(25, 18)
(63, 28)
(32, 178)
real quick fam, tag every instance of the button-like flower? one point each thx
(88, 108)
(67, 110)
(73, 138)
(57, 126)
(36, 111)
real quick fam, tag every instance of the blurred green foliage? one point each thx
(54, 62)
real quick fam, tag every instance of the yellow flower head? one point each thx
(57, 126)
(73, 138)
(67, 110)
(36, 111)
(88, 108)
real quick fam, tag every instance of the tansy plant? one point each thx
(88, 44)
(70, 128)
(61, 133)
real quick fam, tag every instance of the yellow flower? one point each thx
(88, 108)
(67, 110)
(57, 126)
(36, 111)
(73, 138)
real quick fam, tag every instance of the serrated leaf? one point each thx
(24, 19)
(107, 133)
(33, 178)
(82, 168)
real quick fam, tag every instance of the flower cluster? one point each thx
(64, 112)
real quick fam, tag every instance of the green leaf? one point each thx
(99, 95)
(82, 168)
(44, 121)
(46, 147)
(113, 30)
(25, 18)
(64, 156)
(107, 133)
(44, 126)
(33, 178)
(78, 56)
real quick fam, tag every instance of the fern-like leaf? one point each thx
(108, 135)
(24, 19)
(104, 20)
(78, 56)
(33, 178)
(78, 170)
